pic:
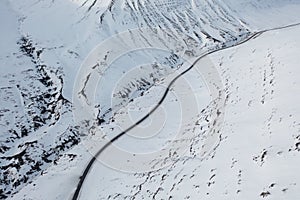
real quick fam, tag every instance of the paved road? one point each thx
(88, 167)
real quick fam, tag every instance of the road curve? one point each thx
(89, 166)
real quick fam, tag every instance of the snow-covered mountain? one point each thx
(57, 52)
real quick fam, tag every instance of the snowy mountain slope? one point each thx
(266, 14)
(258, 154)
(45, 43)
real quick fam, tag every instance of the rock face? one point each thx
(45, 43)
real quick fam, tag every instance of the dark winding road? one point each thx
(88, 167)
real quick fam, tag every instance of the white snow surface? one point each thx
(228, 133)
